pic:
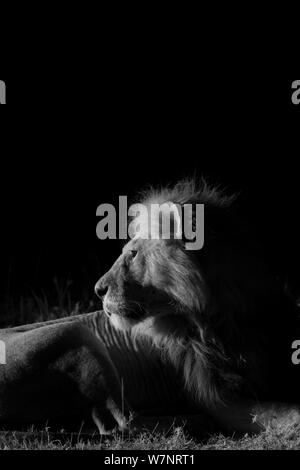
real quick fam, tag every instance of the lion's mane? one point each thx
(237, 340)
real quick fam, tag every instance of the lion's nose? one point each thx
(100, 289)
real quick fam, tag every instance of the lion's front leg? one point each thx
(110, 417)
(94, 373)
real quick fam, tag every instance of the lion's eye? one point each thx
(133, 253)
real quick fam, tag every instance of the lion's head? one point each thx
(155, 277)
(202, 306)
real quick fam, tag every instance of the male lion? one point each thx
(200, 334)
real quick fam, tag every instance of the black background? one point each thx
(73, 140)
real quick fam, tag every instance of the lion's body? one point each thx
(54, 370)
(50, 369)
(209, 330)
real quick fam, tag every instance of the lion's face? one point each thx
(151, 278)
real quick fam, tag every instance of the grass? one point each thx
(36, 308)
(41, 306)
(287, 438)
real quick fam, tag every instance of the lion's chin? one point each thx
(122, 323)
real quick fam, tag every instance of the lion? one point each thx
(203, 335)
(219, 315)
